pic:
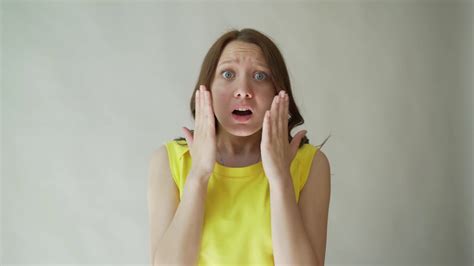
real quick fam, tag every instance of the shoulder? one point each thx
(159, 156)
(306, 152)
(319, 174)
(181, 143)
(175, 148)
(320, 159)
(316, 158)
(315, 195)
(315, 155)
(168, 149)
(314, 203)
(314, 167)
(318, 181)
(162, 167)
(176, 142)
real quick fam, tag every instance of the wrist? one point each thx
(283, 180)
(200, 175)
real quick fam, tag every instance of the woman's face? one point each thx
(242, 80)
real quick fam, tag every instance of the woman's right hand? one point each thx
(202, 144)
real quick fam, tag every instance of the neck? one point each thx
(234, 149)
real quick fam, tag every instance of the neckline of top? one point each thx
(248, 171)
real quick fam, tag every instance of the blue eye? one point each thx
(227, 76)
(260, 75)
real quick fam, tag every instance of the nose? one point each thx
(243, 90)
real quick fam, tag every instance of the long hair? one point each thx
(274, 59)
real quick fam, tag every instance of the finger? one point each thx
(210, 110)
(188, 136)
(197, 104)
(266, 136)
(285, 114)
(274, 115)
(281, 109)
(202, 110)
(202, 104)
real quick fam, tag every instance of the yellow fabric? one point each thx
(237, 224)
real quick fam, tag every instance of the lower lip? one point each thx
(241, 118)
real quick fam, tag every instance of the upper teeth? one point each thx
(242, 109)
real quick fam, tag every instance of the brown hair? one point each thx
(279, 73)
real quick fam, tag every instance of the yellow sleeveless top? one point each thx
(237, 224)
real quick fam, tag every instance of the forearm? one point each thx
(291, 244)
(180, 244)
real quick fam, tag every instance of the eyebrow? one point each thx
(233, 60)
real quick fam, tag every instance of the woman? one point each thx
(239, 189)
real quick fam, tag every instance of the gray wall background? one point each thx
(91, 88)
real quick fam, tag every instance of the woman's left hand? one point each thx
(277, 152)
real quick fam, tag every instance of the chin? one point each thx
(242, 133)
(242, 130)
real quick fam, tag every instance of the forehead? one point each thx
(238, 51)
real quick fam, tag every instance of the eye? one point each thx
(260, 75)
(227, 74)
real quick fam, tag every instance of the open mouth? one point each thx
(242, 115)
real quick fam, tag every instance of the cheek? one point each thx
(268, 99)
(219, 100)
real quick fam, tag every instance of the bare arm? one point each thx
(299, 230)
(291, 244)
(175, 227)
(290, 223)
